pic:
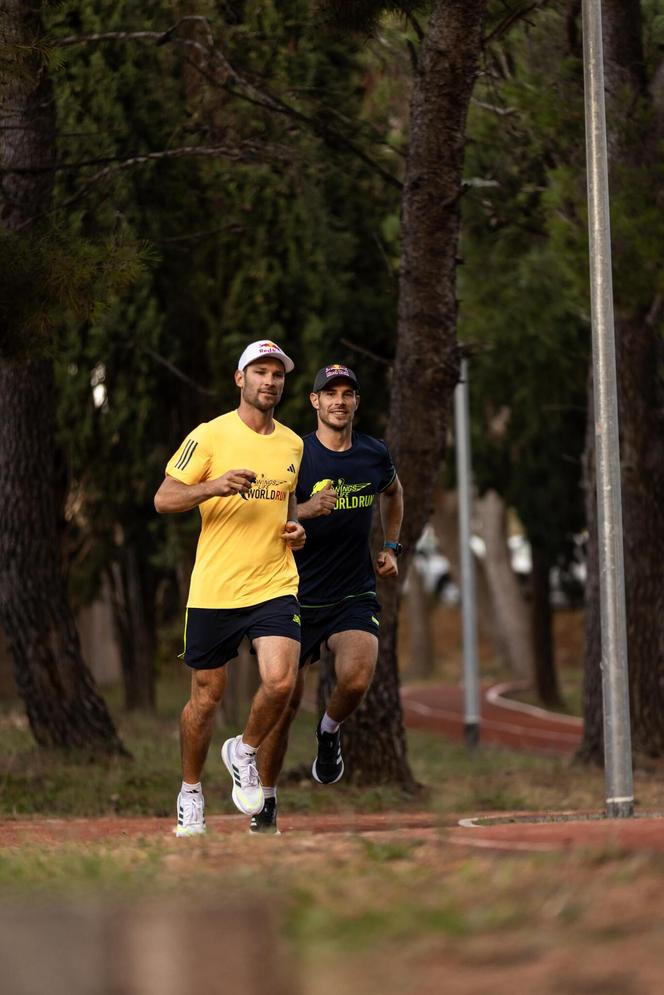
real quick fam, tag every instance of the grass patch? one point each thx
(370, 913)
(490, 779)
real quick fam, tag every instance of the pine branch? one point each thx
(366, 352)
(238, 85)
(245, 152)
(512, 17)
(177, 372)
(494, 108)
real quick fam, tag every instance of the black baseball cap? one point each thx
(335, 371)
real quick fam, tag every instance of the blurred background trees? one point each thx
(228, 171)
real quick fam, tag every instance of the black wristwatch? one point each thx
(396, 547)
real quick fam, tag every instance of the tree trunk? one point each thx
(426, 366)
(62, 704)
(445, 522)
(420, 605)
(132, 598)
(634, 145)
(546, 678)
(509, 605)
(242, 682)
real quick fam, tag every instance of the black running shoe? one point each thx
(265, 821)
(328, 767)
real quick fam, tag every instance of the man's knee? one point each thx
(295, 700)
(354, 681)
(205, 696)
(280, 686)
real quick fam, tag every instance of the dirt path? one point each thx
(495, 834)
(14, 832)
(438, 709)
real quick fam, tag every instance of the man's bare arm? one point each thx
(174, 496)
(391, 510)
(391, 516)
(293, 534)
(291, 514)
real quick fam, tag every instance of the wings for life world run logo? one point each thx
(347, 494)
(266, 489)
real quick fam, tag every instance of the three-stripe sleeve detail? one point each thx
(186, 455)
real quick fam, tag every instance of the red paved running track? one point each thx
(439, 708)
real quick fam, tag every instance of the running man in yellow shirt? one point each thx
(240, 470)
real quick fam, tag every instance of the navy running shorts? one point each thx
(318, 624)
(212, 636)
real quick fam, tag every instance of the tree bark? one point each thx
(511, 610)
(420, 607)
(634, 145)
(546, 678)
(426, 366)
(445, 522)
(133, 601)
(62, 704)
(61, 701)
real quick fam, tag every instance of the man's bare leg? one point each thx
(278, 658)
(273, 748)
(355, 654)
(196, 725)
(197, 721)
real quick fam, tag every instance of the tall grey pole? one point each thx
(615, 689)
(471, 714)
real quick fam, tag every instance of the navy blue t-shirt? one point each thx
(335, 562)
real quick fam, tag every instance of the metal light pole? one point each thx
(615, 690)
(471, 714)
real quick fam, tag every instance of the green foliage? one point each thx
(76, 279)
(524, 280)
(288, 248)
(35, 781)
(364, 16)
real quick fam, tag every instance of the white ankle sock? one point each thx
(269, 792)
(191, 789)
(245, 752)
(328, 725)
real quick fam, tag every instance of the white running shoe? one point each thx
(247, 787)
(191, 814)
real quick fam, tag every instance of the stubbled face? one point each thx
(336, 404)
(262, 383)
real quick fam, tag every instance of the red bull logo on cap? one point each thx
(269, 347)
(336, 370)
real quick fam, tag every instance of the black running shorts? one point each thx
(212, 635)
(318, 624)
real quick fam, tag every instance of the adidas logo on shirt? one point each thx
(290, 469)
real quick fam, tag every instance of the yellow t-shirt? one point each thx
(241, 559)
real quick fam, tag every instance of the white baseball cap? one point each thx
(261, 350)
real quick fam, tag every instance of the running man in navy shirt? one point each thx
(341, 474)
